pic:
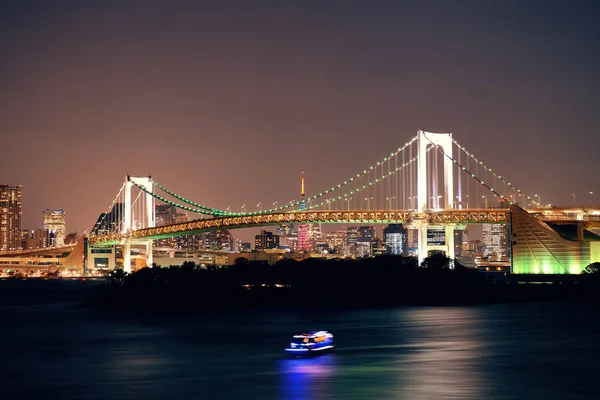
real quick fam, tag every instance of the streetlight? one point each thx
(368, 200)
(243, 208)
(539, 200)
(574, 202)
(258, 207)
(591, 194)
(275, 205)
(348, 201)
(484, 201)
(389, 199)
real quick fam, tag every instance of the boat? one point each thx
(311, 343)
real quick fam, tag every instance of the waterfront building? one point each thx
(55, 221)
(10, 217)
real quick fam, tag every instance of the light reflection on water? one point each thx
(445, 365)
(307, 378)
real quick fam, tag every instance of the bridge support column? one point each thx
(127, 256)
(450, 241)
(126, 223)
(422, 239)
(447, 246)
(149, 255)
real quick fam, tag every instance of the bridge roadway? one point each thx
(431, 217)
(44, 251)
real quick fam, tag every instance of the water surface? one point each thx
(51, 348)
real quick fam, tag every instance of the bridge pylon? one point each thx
(133, 221)
(445, 242)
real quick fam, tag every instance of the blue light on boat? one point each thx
(314, 342)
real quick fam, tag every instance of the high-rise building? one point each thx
(37, 239)
(377, 247)
(363, 241)
(288, 237)
(164, 214)
(395, 237)
(55, 221)
(413, 238)
(266, 240)
(363, 247)
(458, 242)
(495, 240)
(366, 231)
(10, 217)
(221, 240)
(336, 241)
(352, 235)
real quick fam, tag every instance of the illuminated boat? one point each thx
(311, 343)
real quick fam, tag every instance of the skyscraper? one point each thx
(495, 240)
(395, 237)
(10, 217)
(266, 240)
(54, 221)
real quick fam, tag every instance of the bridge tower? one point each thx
(146, 219)
(426, 140)
(302, 244)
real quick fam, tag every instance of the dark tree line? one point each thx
(381, 281)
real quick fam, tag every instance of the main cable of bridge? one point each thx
(201, 209)
(475, 177)
(101, 221)
(494, 173)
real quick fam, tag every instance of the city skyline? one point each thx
(228, 103)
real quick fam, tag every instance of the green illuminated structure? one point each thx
(559, 247)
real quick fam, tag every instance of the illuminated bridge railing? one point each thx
(472, 216)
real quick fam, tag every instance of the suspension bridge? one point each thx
(431, 182)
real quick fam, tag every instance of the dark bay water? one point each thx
(53, 349)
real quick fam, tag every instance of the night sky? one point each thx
(226, 102)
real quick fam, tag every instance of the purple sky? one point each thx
(226, 103)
